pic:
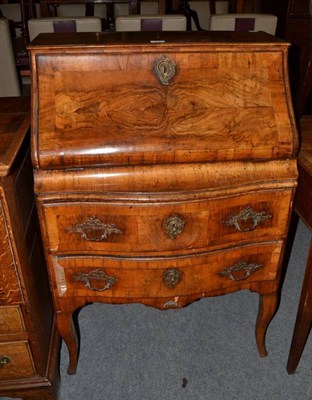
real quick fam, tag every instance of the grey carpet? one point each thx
(204, 351)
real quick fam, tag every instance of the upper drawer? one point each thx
(11, 320)
(165, 227)
(113, 105)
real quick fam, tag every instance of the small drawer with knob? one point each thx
(16, 360)
(95, 277)
(157, 228)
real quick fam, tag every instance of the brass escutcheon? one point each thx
(164, 69)
(172, 277)
(173, 225)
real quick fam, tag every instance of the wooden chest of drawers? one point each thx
(29, 343)
(165, 168)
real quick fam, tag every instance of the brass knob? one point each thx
(4, 360)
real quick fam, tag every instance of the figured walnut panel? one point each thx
(219, 106)
(9, 283)
(145, 277)
(140, 228)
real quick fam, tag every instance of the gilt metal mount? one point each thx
(247, 214)
(172, 277)
(240, 271)
(94, 230)
(96, 275)
(173, 225)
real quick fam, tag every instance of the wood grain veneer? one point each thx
(156, 190)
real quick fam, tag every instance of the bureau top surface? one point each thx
(132, 99)
(14, 125)
(154, 38)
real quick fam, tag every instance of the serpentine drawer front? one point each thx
(142, 278)
(164, 172)
(153, 227)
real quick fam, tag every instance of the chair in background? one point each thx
(132, 23)
(13, 12)
(204, 11)
(144, 8)
(244, 22)
(80, 10)
(149, 8)
(63, 24)
(9, 82)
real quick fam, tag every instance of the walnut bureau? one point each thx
(29, 343)
(165, 168)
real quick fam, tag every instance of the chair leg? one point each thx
(303, 320)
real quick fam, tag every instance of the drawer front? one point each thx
(11, 320)
(163, 228)
(16, 360)
(219, 105)
(9, 283)
(141, 278)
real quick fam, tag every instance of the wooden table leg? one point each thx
(303, 320)
(68, 333)
(267, 308)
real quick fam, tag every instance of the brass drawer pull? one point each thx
(164, 69)
(96, 275)
(173, 225)
(4, 360)
(245, 216)
(94, 230)
(172, 277)
(240, 271)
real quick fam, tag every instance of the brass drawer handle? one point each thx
(247, 215)
(173, 225)
(164, 69)
(94, 230)
(172, 277)
(96, 275)
(4, 360)
(240, 271)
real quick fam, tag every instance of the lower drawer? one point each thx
(16, 360)
(152, 278)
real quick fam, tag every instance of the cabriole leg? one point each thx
(68, 333)
(267, 309)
